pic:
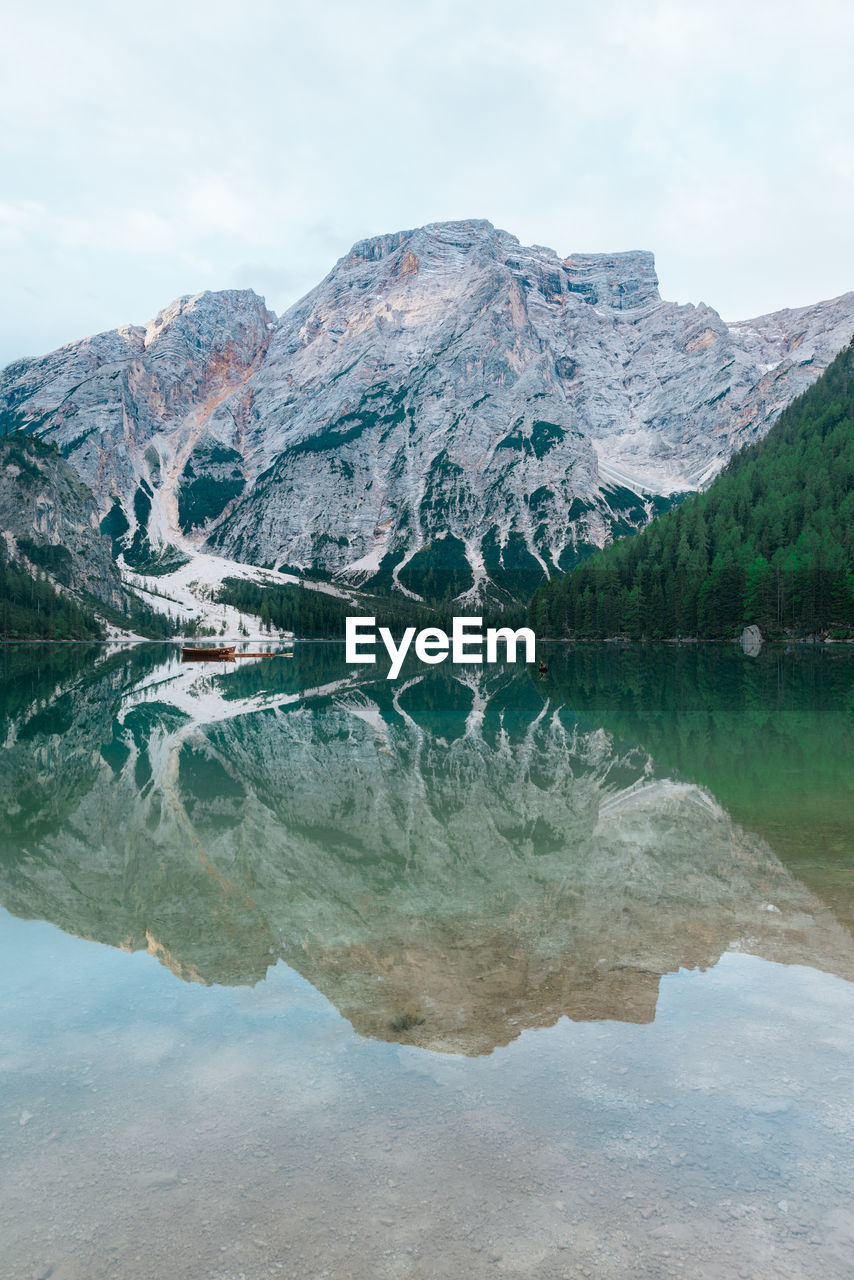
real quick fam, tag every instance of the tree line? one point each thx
(312, 614)
(31, 608)
(769, 543)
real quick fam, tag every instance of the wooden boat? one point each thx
(224, 653)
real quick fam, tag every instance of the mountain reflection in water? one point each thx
(449, 858)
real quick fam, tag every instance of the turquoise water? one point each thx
(462, 974)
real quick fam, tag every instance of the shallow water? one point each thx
(307, 974)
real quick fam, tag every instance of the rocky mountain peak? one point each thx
(433, 237)
(447, 405)
(227, 324)
(621, 280)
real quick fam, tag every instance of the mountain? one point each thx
(128, 407)
(770, 544)
(49, 518)
(54, 563)
(58, 577)
(446, 404)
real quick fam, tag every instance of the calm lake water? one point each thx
(306, 973)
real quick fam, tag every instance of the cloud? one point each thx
(182, 145)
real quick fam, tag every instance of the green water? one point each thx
(310, 973)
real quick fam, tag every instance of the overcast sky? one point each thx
(160, 149)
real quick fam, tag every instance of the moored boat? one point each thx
(223, 653)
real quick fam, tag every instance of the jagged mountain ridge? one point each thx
(446, 400)
(128, 407)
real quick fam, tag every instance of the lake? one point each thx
(308, 973)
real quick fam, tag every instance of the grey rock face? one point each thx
(751, 641)
(128, 408)
(446, 401)
(49, 521)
